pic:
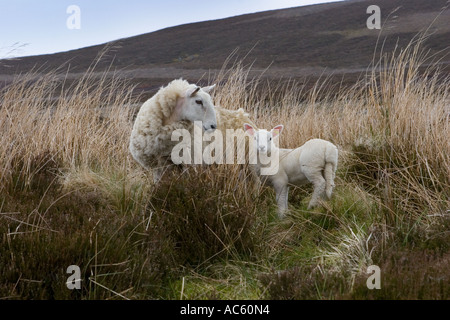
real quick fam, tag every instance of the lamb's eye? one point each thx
(270, 139)
(200, 102)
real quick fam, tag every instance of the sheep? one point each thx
(176, 106)
(315, 162)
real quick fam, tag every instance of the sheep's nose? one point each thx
(210, 128)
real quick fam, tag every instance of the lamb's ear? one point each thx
(192, 91)
(276, 131)
(209, 89)
(249, 129)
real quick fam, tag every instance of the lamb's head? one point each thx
(197, 105)
(263, 139)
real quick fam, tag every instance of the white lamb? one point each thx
(315, 162)
(176, 106)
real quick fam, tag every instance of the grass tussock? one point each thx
(207, 216)
(71, 195)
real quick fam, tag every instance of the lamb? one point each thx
(315, 162)
(176, 106)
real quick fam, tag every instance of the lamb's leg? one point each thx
(314, 175)
(282, 193)
(329, 175)
(256, 180)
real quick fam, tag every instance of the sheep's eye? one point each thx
(200, 102)
(270, 139)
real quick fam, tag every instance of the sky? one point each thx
(30, 27)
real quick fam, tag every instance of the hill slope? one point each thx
(295, 42)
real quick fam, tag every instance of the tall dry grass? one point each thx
(84, 125)
(396, 121)
(64, 149)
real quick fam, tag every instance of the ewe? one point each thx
(174, 107)
(315, 162)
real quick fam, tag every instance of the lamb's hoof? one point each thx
(282, 214)
(316, 204)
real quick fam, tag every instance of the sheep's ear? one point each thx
(209, 89)
(276, 131)
(192, 91)
(249, 129)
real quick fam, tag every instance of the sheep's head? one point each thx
(264, 140)
(197, 105)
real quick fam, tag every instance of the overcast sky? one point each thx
(30, 27)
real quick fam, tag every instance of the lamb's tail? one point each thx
(331, 160)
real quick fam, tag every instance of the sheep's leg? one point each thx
(314, 175)
(157, 175)
(282, 192)
(160, 170)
